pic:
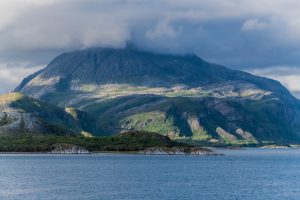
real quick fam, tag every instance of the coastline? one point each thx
(217, 151)
(143, 152)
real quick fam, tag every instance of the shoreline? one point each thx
(215, 151)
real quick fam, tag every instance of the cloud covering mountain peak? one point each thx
(240, 34)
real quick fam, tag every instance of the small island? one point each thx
(137, 142)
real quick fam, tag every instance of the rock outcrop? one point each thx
(69, 149)
(178, 151)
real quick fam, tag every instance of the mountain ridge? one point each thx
(109, 66)
(181, 96)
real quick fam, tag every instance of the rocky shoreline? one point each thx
(73, 149)
(178, 151)
(69, 149)
(280, 146)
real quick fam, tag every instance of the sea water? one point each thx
(259, 174)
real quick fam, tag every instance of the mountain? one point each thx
(20, 114)
(181, 96)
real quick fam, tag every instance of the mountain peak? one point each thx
(100, 66)
(94, 68)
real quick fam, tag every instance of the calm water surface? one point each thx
(243, 174)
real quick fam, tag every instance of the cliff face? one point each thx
(180, 96)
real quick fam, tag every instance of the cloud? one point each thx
(61, 24)
(11, 76)
(240, 34)
(254, 24)
(161, 30)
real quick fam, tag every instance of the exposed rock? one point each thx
(69, 149)
(245, 134)
(199, 133)
(224, 134)
(275, 147)
(178, 151)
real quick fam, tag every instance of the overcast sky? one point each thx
(262, 37)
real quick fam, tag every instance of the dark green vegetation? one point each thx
(133, 141)
(181, 96)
